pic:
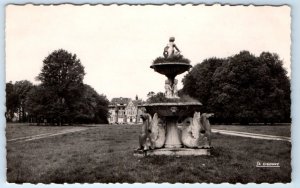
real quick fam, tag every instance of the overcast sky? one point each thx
(117, 44)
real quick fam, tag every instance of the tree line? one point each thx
(242, 88)
(60, 98)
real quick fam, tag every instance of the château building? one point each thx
(124, 111)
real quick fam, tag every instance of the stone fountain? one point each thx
(174, 127)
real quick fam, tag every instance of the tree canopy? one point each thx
(242, 88)
(92, 107)
(62, 77)
(198, 82)
(15, 99)
(12, 101)
(62, 97)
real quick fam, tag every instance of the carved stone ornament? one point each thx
(173, 109)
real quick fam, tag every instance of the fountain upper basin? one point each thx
(171, 69)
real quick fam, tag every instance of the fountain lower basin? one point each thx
(171, 112)
(173, 109)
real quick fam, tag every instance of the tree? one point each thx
(21, 89)
(15, 99)
(37, 103)
(12, 101)
(198, 82)
(234, 89)
(277, 89)
(150, 94)
(62, 98)
(156, 98)
(61, 69)
(242, 88)
(93, 107)
(62, 77)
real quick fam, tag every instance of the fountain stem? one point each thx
(173, 134)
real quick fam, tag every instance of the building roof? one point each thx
(124, 101)
(120, 100)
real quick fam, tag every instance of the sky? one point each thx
(117, 44)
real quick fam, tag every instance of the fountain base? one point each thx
(173, 152)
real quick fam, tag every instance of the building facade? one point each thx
(125, 111)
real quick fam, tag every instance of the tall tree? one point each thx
(234, 89)
(277, 89)
(62, 97)
(37, 103)
(62, 76)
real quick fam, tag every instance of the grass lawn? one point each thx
(104, 153)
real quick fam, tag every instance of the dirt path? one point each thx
(252, 135)
(46, 135)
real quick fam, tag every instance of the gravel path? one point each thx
(252, 135)
(46, 135)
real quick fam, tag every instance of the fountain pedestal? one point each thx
(172, 135)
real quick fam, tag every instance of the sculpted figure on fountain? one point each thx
(174, 89)
(153, 134)
(158, 132)
(205, 128)
(171, 90)
(196, 131)
(191, 131)
(144, 137)
(168, 89)
(169, 50)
